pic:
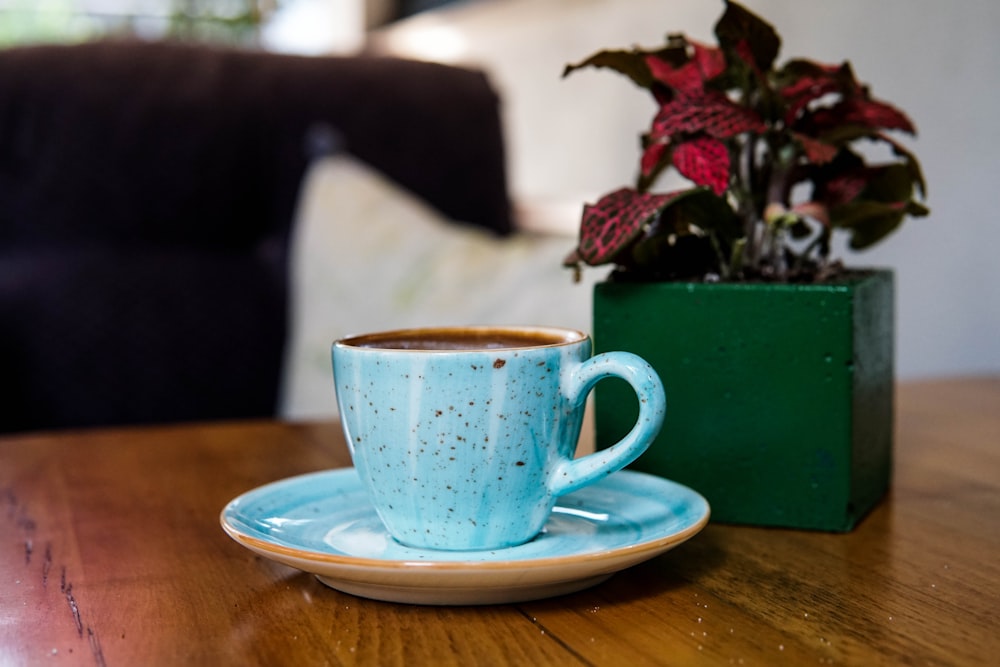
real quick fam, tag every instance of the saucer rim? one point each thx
(633, 551)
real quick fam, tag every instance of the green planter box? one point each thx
(779, 397)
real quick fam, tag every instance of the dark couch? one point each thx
(147, 192)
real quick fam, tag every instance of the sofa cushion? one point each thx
(91, 337)
(147, 193)
(174, 143)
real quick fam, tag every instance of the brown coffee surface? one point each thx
(473, 338)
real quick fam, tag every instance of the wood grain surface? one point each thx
(111, 554)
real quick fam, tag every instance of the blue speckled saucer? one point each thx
(322, 523)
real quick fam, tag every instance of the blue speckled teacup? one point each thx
(464, 437)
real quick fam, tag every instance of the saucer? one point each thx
(322, 523)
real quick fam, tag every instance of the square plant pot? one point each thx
(779, 397)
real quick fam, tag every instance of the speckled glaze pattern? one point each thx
(469, 449)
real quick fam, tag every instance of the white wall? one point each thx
(572, 139)
(938, 61)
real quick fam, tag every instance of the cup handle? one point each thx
(573, 474)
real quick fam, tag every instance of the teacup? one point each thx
(464, 437)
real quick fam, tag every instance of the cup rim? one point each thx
(564, 335)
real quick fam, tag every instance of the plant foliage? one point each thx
(775, 156)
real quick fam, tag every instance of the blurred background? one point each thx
(570, 140)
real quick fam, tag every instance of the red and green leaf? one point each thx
(634, 63)
(801, 77)
(816, 151)
(630, 63)
(617, 220)
(689, 78)
(705, 161)
(654, 156)
(712, 113)
(910, 160)
(750, 37)
(842, 189)
(880, 207)
(801, 82)
(868, 221)
(862, 112)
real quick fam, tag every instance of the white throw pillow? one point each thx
(367, 255)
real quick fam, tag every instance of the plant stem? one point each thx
(746, 208)
(779, 192)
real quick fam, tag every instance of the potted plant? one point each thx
(778, 359)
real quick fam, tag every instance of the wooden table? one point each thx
(111, 554)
